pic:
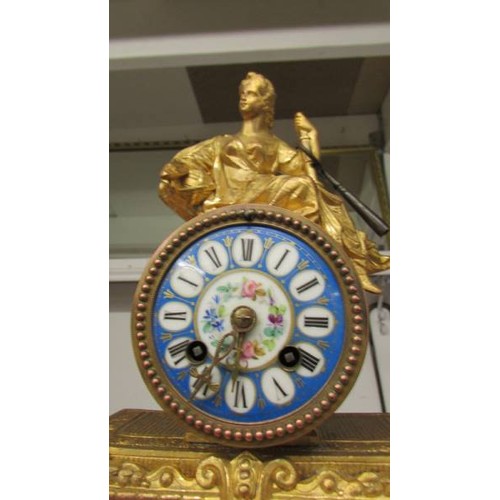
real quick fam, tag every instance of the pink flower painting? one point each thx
(251, 350)
(252, 290)
(248, 350)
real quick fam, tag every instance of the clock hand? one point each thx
(205, 377)
(243, 319)
(234, 365)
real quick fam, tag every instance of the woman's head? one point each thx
(266, 93)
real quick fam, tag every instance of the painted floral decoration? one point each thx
(275, 325)
(252, 350)
(215, 316)
(252, 289)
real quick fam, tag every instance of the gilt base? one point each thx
(151, 457)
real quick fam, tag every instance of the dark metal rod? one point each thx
(368, 215)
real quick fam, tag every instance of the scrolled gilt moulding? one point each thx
(246, 477)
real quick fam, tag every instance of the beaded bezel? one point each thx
(323, 404)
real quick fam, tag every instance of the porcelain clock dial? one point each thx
(249, 324)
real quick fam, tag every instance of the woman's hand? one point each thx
(308, 135)
(304, 128)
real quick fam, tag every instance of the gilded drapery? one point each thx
(226, 170)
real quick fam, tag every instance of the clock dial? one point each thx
(250, 280)
(252, 328)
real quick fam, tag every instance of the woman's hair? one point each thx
(266, 91)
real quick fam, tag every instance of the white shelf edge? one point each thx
(126, 269)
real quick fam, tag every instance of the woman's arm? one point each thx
(308, 135)
(309, 139)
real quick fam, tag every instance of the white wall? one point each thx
(126, 387)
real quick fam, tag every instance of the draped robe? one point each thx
(226, 170)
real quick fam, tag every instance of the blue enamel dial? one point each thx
(292, 350)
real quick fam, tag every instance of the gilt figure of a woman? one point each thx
(255, 166)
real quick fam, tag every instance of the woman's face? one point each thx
(251, 102)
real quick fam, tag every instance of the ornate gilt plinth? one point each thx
(151, 457)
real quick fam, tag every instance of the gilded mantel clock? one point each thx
(249, 325)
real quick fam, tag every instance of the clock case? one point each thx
(304, 419)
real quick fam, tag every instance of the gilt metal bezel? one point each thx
(300, 421)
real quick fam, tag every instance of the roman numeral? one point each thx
(176, 316)
(308, 285)
(279, 390)
(213, 257)
(178, 350)
(247, 248)
(204, 387)
(308, 361)
(240, 391)
(316, 321)
(276, 267)
(187, 281)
